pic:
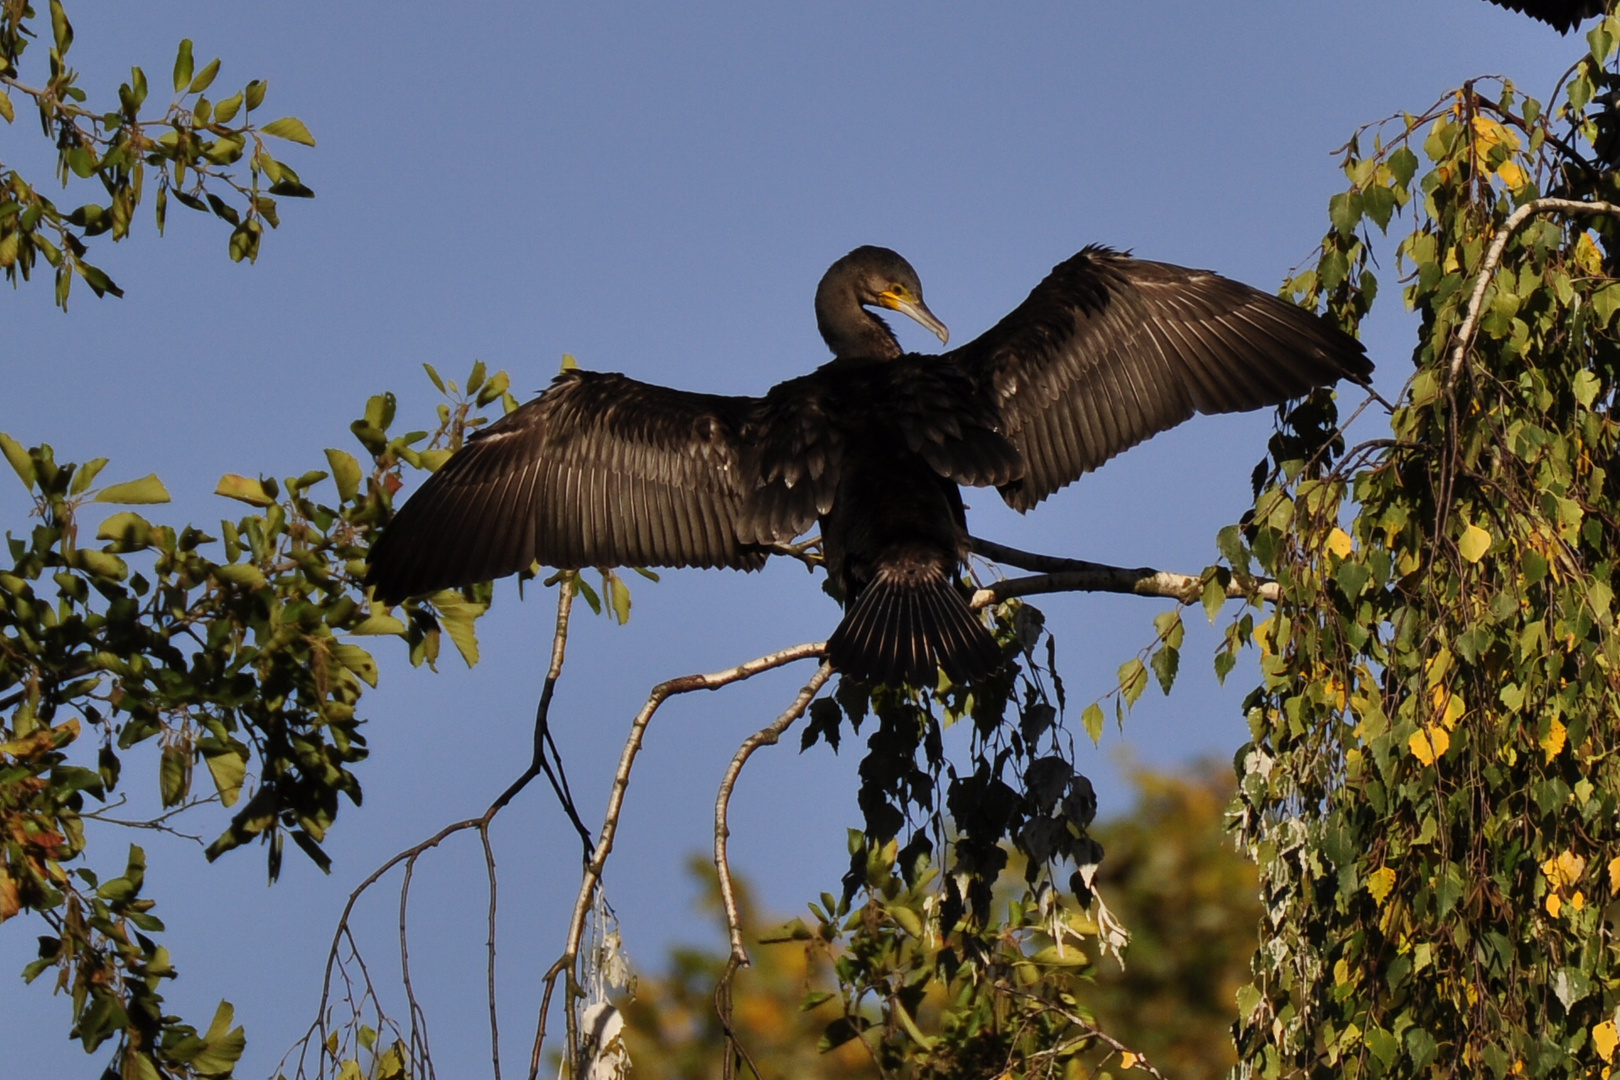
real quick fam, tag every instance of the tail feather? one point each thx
(905, 626)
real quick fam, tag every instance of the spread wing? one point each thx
(1110, 350)
(1563, 14)
(600, 470)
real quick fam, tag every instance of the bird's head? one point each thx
(875, 277)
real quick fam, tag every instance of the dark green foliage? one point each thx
(192, 153)
(239, 654)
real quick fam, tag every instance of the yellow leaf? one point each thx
(1571, 866)
(1587, 257)
(1127, 1060)
(1490, 133)
(1604, 1038)
(1380, 882)
(1554, 904)
(1474, 543)
(1513, 175)
(1430, 744)
(148, 489)
(1553, 744)
(242, 489)
(1614, 874)
(1578, 901)
(1338, 542)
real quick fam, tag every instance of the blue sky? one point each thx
(657, 191)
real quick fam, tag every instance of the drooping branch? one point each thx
(592, 876)
(537, 765)
(766, 736)
(1493, 258)
(1056, 574)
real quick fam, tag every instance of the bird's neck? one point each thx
(852, 332)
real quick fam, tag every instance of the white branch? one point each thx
(1493, 257)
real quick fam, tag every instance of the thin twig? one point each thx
(1090, 1031)
(766, 736)
(1076, 575)
(1493, 256)
(610, 823)
(419, 1036)
(494, 1022)
(155, 824)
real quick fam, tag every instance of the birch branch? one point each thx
(1493, 258)
(1076, 575)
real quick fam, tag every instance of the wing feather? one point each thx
(1110, 350)
(600, 470)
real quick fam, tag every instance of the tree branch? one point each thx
(1493, 257)
(1076, 575)
(610, 823)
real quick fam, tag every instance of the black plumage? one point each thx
(1565, 15)
(602, 470)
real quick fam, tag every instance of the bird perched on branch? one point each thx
(602, 470)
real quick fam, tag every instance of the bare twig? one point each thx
(419, 1036)
(1465, 335)
(1076, 575)
(537, 765)
(494, 1021)
(767, 736)
(156, 824)
(610, 822)
(1091, 1031)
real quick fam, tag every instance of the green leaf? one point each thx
(290, 128)
(1092, 718)
(345, 473)
(61, 29)
(182, 66)
(240, 574)
(148, 489)
(229, 770)
(20, 460)
(224, 1044)
(618, 594)
(378, 624)
(243, 489)
(458, 614)
(1132, 680)
(226, 110)
(86, 475)
(100, 564)
(8, 114)
(205, 78)
(1403, 165)
(1585, 384)
(1344, 210)
(361, 662)
(434, 375)
(254, 93)
(174, 774)
(127, 529)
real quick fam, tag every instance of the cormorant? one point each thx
(1565, 15)
(602, 470)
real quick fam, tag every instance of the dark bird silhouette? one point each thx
(1565, 15)
(602, 470)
